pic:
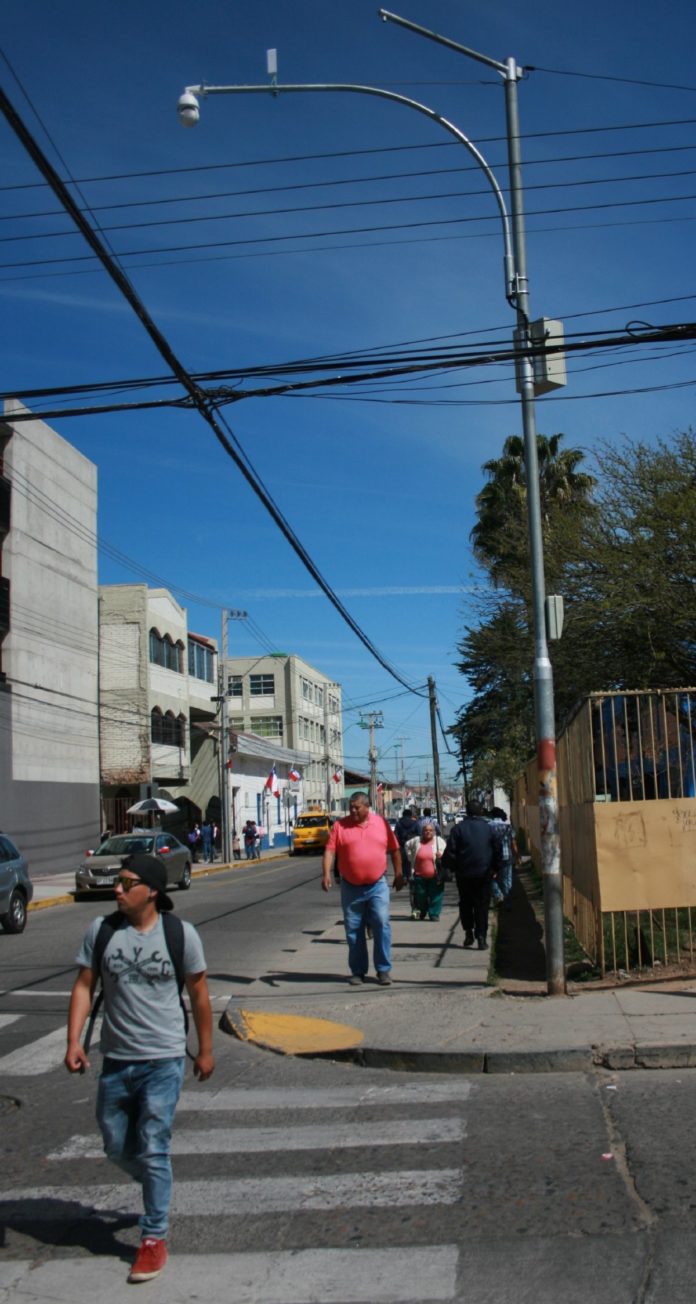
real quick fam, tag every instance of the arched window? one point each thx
(170, 729)
(156, 648)
(156, 725)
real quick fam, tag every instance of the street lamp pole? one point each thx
(517, 294)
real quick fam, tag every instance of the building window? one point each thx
(201, 661)
(333, 705)
(237, 722)
(319, 695)
(268, 726)
(307, 690)
(234, 686)
(165, 652)
(261, 685)
(168, 730)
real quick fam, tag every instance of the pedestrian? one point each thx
(260, 834)
(207, 836)
(249, 838)
(473, 852)
(502, 885)
(108, 833)
(428, 818)
(425, 859)
(217, 845)
(236, 847)
(406, 827)
(359, 844)
(194, 841)
(143, 1038)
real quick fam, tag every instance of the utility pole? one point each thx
(373, 721)
(227, 814)
(436, 757)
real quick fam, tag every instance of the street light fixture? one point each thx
(517, 295)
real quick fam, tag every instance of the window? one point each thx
(201, 661)
(234, 686)
(167, 730)
(333, 705)
(236, 722)
(307, 690)
(261, 685)
(165, 652)
(319, 695)
(268, 726)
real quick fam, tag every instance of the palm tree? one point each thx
(499, 537)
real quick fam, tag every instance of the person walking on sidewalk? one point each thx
(207, 835)
(425, 859)
(502, 885)
(143, 1038)
(473, 852)
(406, 828)
(249, 838)
(359, 844)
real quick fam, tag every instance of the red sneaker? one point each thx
(149, 1261)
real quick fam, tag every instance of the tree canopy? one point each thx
(620, 545)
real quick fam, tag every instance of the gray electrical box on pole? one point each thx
(549, 368)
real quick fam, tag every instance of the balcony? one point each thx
(5, 500)
(4, 606)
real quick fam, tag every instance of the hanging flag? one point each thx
(271, 784)
(294, 775)
(338, 774)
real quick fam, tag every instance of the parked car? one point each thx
(99, 869)
(16, 889)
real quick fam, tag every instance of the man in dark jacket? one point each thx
(406, 828)
(474, 853)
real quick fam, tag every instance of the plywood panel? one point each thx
(646, 854)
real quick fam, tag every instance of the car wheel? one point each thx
(16, 918)
(185, 880)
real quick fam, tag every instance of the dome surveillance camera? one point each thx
(188, 109)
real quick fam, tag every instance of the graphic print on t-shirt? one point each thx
(145, 967)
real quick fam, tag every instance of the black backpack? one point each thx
(174, 939)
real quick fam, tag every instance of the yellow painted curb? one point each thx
(51, 901)
(292, 1034)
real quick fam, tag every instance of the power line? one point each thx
(224, 436)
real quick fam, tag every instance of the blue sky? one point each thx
(379, 489)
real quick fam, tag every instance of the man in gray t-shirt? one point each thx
(143, 1041)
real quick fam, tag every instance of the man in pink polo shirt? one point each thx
(360, 844)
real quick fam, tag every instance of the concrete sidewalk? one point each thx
(442, 1013)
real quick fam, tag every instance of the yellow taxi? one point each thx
(310, 831)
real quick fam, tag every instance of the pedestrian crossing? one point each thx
(282, 1195)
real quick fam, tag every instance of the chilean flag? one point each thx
(294, 775)
(272, 783)
(338, 774)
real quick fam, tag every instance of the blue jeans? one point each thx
(367, 906)
(135, 1111)
(502, 885)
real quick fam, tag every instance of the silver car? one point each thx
(16, 888)
(98, 872)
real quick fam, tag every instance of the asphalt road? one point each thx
(301, 1181)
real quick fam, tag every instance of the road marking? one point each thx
(400, 1094)
(6, 1019)
(38, 1057)
(250, 1195)
(242, 1140)
(399, 1275)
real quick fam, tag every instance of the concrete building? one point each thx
(49, 735)
(293, 705)
(251, 763)
(158, 682)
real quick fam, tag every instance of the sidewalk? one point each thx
(441, 1012)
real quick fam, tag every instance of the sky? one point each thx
(312, 226)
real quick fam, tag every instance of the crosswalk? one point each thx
(282, 1195)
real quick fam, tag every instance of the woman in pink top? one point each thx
(424, 854)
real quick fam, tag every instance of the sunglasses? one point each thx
(126, 883)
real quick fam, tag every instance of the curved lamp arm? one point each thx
(347, 87)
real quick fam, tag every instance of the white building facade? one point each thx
(158, 698)
(292, 705)
(49, 728)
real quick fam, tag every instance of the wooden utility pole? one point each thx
(436, 757)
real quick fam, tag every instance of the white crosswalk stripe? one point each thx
(250, 1140)
(392, 1276)
(278, 1156)
(40, 1055)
